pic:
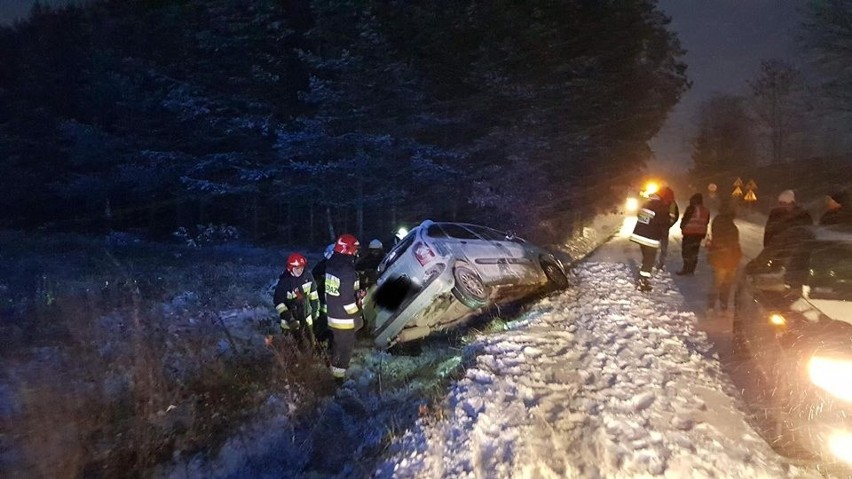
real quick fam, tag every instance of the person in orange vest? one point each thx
(693, 225)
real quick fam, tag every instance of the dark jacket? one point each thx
(724, 250)
(695, 218)
(368, 267)
(296, 297)
(319, 276)
(839, 216)
(782, 218)
(341, 290)
(652, 223)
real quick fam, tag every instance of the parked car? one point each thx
(441, 273)
(793, 322)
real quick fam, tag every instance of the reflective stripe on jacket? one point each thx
(341, 288)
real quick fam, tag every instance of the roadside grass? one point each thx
(118, 360)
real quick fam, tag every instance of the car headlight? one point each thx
(631, 205)
(840, 444)
(832, 375)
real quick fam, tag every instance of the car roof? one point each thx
(834, 233)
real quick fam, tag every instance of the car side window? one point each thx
(436, 231)
(830, 272)
(457, 231)
(488, 233)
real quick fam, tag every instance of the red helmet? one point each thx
(347, 244)
(296, 260)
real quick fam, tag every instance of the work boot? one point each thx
(644, 285)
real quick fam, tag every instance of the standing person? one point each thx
(839, 210)
(786, 215)
(368, 265)
(667, 195)
(296, 298)
(693, 225)
(321, 331)
(652, 222)
(342, 296)
(724, 255)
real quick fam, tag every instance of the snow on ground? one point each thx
(599, 381)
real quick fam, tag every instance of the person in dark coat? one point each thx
(693, 225)
(321, 331)
(786, 215)
(839, 210)
(668, 197)
(368, 265)
(652, 222)
(724, 255)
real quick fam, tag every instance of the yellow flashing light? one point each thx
(777, 320)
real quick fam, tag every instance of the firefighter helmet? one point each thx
(347, 244)
(376, 244)
(296, 260)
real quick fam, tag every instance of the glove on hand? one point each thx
(294, 325)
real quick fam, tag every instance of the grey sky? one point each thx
(725, 41)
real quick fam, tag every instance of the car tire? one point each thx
(469, 288)
(554, 274)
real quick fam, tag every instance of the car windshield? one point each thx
(830, 271)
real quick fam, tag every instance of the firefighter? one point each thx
(342, 297)
(296, 298)
(652, 222)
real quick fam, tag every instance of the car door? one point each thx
(478, 252)
(514, 262)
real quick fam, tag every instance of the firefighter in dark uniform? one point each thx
(652, 223)
(296, 298)
(342, 297)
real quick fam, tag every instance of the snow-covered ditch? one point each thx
(599, 381)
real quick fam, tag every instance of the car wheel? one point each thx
(469, 288)
(554, 274)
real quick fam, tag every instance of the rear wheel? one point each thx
(554, 274)
(469, 288)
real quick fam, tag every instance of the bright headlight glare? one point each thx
(832, 375)
(777, 320)
(840, 444)
(631, 205)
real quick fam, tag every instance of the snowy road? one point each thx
(599, 381)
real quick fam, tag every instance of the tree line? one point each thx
(786, 115)
(296, 120)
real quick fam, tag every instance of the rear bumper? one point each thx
(390, 324)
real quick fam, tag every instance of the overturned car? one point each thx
(441, 273)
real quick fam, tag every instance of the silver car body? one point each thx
(432, 256)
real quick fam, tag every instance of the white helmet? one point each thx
(376, 244)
